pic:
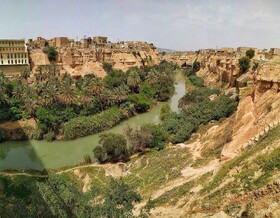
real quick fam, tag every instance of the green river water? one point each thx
(38, 155)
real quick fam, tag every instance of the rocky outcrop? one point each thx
(258, 112)
(79, 62)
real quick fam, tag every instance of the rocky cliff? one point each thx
(79, 62)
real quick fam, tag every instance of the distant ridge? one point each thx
(166, 50)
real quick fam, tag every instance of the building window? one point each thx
(8, 61)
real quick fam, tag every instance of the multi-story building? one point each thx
(13, 56)
(60, 42)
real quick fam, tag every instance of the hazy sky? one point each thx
(175, 24)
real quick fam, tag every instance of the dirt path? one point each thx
(22, 174)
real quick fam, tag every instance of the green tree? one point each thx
(244, 64)
(119, 199)
(250, 53)
(133, 80)
(52, 54)
(165, 111)
(113, 148)
(107, 67)
(196, 66)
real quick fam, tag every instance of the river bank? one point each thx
(41, 155)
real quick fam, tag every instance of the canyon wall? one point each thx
(79, 62)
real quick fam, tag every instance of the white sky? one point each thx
(174, 24)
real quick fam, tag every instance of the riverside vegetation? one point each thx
(59, 195)
(63, 105)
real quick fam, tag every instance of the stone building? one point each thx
(13, 56)
(39, 42)
(60, 42)
(275, 51)
(243, 50)
(99, 41)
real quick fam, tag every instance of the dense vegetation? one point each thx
(58, 196)
(54, 99)
(197, 109)
(199, 106)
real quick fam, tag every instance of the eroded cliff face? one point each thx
(79, 62)
(258, 90)
(258, 110)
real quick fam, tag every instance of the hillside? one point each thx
(228, 168)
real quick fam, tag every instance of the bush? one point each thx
(244, 64)
(107, 67)
(52, 54)
(147, 90)
(87, 159)
(197, 81)
(141, 102)
(2, 135)
(50, 136)
(158, 136)
(165, 111)
(196, 66)
(250, 53)
(113, 148)
(256, 65)
(199, 110)
(83, 126)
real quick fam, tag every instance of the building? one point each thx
(243, 50)
(99, 41)
(86, 42)
(39, 42)
(60, 42)
(13, 56)
(275, 51)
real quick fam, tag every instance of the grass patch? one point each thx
(157, 168)
(172, 196)
(266, 164)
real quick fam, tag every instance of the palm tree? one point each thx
(29, 101)
(97, 86)
(25, 73)
(3, 89)
(39, 74)
(107, 97)
(152, 77)
(86, 96)
(133, 80)
(121, 93)
(67, 91)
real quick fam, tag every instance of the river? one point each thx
(38, 155)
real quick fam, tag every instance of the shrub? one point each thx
(165, 111)
(2, 135)
(199, 110)
(197, 81)
(83, 126)
(196, 66)
(107, 67)
(87, 159)
(250, 53)
(52, 54)
(50, 136)
(158, 136)
(244, 64)
(141, 102)
(113, 148)
(256, 65)
(147, 90)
